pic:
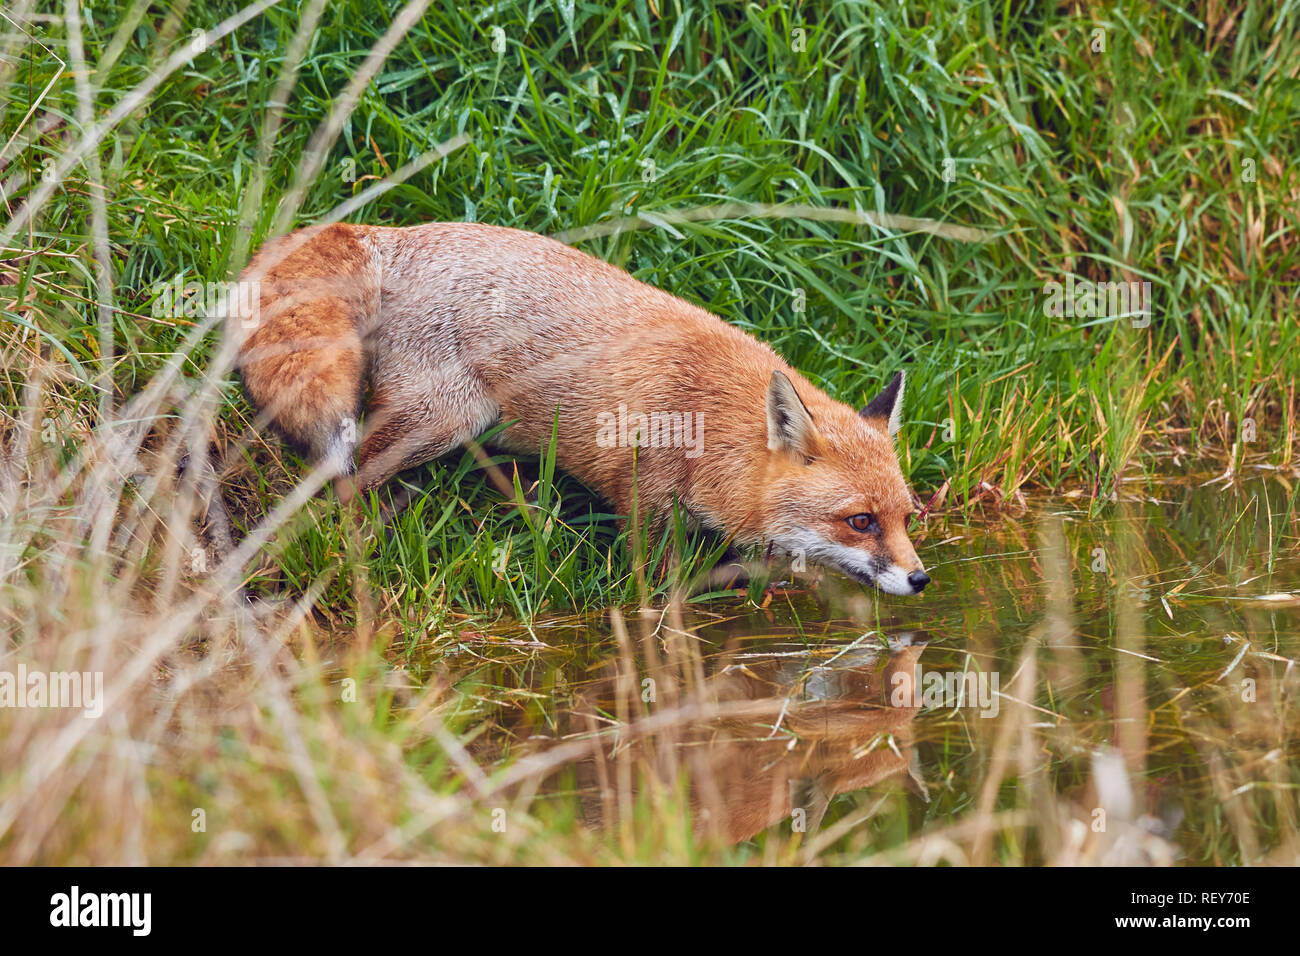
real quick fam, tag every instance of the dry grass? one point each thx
(262, 696)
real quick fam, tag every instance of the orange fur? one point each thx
(456, 327)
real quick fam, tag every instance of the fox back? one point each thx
(455, 327)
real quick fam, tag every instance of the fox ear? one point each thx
(789, 426)
(886, 409)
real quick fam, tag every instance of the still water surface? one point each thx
(1115, 689)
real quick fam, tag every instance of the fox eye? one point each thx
(863, 523)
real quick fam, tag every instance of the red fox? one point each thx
(456, 327)
(744, 776)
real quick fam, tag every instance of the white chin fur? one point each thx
(893, 580)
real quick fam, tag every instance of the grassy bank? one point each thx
(1161, 158)
(1028, 144)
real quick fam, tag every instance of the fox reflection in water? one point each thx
(833, 728)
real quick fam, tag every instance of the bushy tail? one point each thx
(300, 349)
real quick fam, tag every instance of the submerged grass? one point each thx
(866, 186)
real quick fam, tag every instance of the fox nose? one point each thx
(918, 580)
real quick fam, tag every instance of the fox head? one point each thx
(834, 490)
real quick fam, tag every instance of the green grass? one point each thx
(1122, 163)
(1167, 156)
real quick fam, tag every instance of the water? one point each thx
(1115, 689)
